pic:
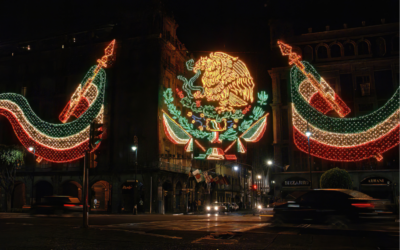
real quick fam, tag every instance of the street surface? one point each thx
(231, 231)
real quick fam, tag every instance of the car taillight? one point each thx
(81, 205)
(363, 205)
(69, 205)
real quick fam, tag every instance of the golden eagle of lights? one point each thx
(226, 80)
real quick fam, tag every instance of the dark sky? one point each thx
(236, 25)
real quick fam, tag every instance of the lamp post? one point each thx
(235, 168)
(134, 149)
(32, 148)
(259, 186)
(308, 134)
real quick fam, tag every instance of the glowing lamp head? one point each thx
(308, 134)
(235, 168)
(134, 148)
(269, 162)
(31, 148)
(259, 176)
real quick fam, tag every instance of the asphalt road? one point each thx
(20, 231)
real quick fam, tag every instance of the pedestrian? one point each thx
(141, 205)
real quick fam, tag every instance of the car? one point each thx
(57, 205)
(337, 207)
(235, 206)
(216, 207)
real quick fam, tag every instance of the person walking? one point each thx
(141, 205)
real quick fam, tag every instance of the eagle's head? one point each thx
(215, 68)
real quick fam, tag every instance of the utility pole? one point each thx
(86, 191)
(135, 149)
(96, 130)
(308, 134)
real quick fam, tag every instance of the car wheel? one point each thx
(338, 222)
(277, 221)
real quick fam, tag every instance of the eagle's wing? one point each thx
(242, 83)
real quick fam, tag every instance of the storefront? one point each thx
(377, 187)
(293, 186)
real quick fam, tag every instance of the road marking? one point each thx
(304, 225)
(144, 233)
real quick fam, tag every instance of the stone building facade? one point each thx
(362, 65)
(149, 57)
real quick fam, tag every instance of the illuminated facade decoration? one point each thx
(320, 86)
(61, 142)
(227, 82)
(337, 139)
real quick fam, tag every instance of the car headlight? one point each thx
(208, 208)
(215, 208)
(259, 206)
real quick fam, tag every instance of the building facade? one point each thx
(148, 58)
(361, 65)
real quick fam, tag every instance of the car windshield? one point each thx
(355, 194)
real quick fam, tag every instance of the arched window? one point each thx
(380, 48)
(395, 44)
(349, 49)
(308, 53)
(322, 52)
(363, 48)
(336, 50)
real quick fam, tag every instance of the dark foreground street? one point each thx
(19, 231)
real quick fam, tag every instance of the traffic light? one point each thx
(254, 187)
(96, 130)
(93, 160)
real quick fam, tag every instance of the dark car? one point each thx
(57, 205)
(337, 207)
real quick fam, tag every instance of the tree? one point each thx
(11, 158)
(336, 178)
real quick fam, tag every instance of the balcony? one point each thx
(174, 165)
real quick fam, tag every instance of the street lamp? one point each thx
(32, 149)
(308, 134)
(269, 162)
(235, 168)
(134, 149)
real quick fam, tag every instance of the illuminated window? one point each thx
(363, 85)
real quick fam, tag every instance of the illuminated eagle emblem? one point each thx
(220, 109)
(226, 79)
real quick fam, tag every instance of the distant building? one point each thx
(362, 65)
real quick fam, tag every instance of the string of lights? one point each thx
(337, 139)
(61, 142)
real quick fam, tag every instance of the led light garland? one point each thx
(338, 139)
(226, 80)
(59, 142)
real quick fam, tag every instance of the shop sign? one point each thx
(375, 181)
(295, 182)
